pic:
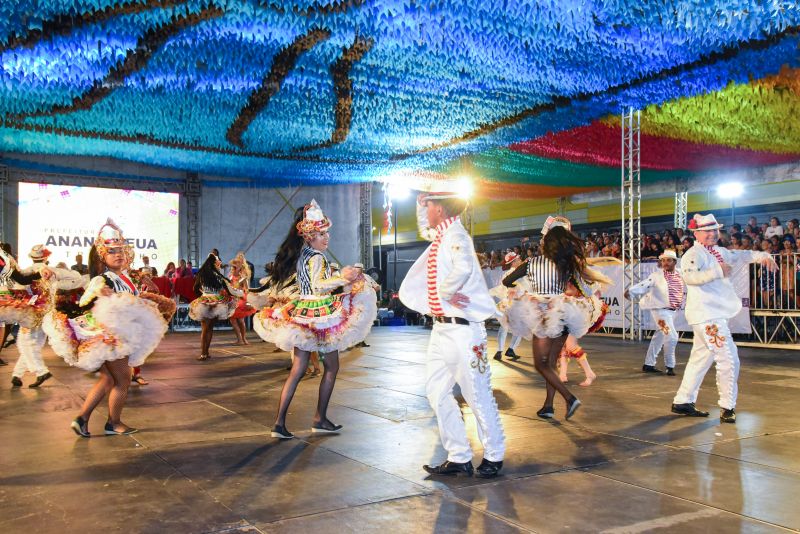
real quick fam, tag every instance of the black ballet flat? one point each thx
(280, 432)
(109, 429)
(546, 412)
(319, 429)
(572, 407)
(80, 427)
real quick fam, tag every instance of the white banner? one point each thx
(66, 219)
(740, 324)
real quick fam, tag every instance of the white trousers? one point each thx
(457, 355)
(665, 336)
(712, 344)
(29, 344)
(501, 339)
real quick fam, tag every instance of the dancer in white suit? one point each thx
(663, 293)
(446, 282)
(711, 301)
(500, 292)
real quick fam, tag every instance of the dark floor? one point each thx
(204, 461)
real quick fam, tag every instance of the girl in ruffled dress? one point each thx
(562, 302)
(240, 279)
(318, 320)
(216, 300)
(113, 330)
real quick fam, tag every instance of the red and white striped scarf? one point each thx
(434, 303)
(675, 288)
(715, 253)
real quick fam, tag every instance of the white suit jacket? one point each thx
(654, 291)
(458, 271)
(709, 294)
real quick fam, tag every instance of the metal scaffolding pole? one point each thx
(630, 205)
(681, 202)
(3, 184)
(192, 191)
(365, 224)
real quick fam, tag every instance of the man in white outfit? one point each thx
(663, 293)
(30, 341)
(513, 261)
(446, 282)
(711, 301)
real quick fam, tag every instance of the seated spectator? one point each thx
(774, 228)
(653, 250)
(146, 268)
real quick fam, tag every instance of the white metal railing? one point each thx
(776, 291)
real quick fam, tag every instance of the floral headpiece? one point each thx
(110, 236)
(313, 220)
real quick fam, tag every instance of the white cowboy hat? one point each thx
(704, 222)
(668, 254)
(38, 252)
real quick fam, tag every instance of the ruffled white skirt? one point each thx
(207, 307)
(118, 325)
(323, 324)
(531, 315)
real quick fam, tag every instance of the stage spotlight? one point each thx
(730, 190)
(398, 191)
(465, 188)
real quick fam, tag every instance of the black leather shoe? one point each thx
(281, 432)
(498, 356)
(572, 407)
(488, 469)
(10, 341)
(688, 409)
(80, 427)
(3, 362)
(511, 355)
(40, 380)
(651, 369)
(16, 382)
(727, 416)
(450, 469)
(670, 371)
(546, 412)
(321, 428)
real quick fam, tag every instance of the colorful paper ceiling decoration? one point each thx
(347, 90)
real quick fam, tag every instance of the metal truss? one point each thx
(681, 202)
(192, 191)
(365, 224)
(630, 206)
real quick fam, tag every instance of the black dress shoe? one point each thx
(651, 369)
(16, 382)
(3, 362)
(546, 412)
(728, 416)
(511, 355)
(81, 427)
(670, 371)
(279, 431)
(498, 356)
(450, 469)
(10, 341)
(488, 469)
(40, 380)
(572, 407)
(688, 409)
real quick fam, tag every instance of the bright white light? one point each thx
(730, 190)
(398, 191)
(465, 188)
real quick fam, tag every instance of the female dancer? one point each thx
(240, 279)
(215, 300)
(318, 320)
(548, 314)
(115, 331)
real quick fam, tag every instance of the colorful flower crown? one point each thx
(313, 220)
(110, 236)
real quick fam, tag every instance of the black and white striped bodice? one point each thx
(544, 277)
(303, 270)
